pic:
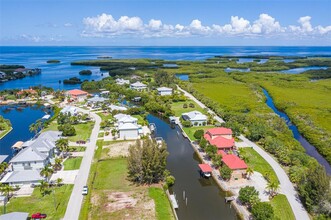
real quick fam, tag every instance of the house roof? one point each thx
(29, 154)
(97, 99)
(163, 89)
(138, 84)
(68, 108)
(205, 168)
(219, 141)
(116, 107)
(77, 92)
(195, 116)
(31, 91)
(22, 176)
(3, 158)
(15, 216)
(221, 152)
(50, 135)
(119, 116)
(220, 131)
(234, 162)
(128, 126)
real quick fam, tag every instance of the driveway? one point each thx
(76, 198)
(286, 186)
(68, 176)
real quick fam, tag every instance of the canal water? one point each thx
(204, 199)
(310, 149)
(21, 117)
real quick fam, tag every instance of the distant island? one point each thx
(53, 61)
(85, 72)
(13, 72)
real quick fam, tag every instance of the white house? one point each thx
(121, 81)
(117, 108)
(26, 165)
(164, 91)
(195, 117)
(128, 131)
(124, 119)
(138, 86)
(97, 99)
(69, 110)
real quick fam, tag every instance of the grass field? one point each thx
(191, 130)
(44, 204)
(77, 148)
(83, 131)
(72, 163)
(282, 207)
(177, 107)
(255, 161)
(163, 210)
(3, 133)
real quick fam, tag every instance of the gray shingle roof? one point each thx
(14, 216)
(3, 158)
(29, 154)
(24, 176)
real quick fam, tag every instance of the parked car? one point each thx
(85, 190)
(38, 215)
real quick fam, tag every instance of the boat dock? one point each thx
(174, 201)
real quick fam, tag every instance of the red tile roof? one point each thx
(31, 91)
(221, 152)
(234, 162)
(205, 168)
(220, 142)
(77, 92)
(220, 131)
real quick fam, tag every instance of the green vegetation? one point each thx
(72, 163)
(5, 127)
(162, 205)
(249, 196)
(282, 208)
(72, 81)
(85, 72)
(53, 61)
(83, 131)
(257, 163)
(77, 149)
(262, 211)
(45, 204)
(178, 108)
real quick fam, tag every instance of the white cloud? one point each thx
(68, 25)
(105, 25)
(30, 38)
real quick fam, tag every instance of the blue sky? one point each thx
(174, 22)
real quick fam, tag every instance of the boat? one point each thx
(205, 170)
(152, 127)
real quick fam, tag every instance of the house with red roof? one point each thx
(237, 165)
(26, 92)
(77, 95)
(220, 137)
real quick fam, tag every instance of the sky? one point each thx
(165, 22)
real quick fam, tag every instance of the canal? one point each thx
(310, 149)
(204, 198)
(21, 117)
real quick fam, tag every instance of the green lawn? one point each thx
(255, 161)
(105, 117)
(162, 205)
(77, 148)
(5, 132)
(190, 130)
(282, 207)
(72, 163)
(141, 120)
(44, 204)
(83, 131)
(177, 107)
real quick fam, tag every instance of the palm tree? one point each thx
(6, 190)
(3, 167)
(249, 172)
(59, 181)
(35, 127)
(63, 145)
(46, 172)
(57, 164)
(273, 187)
(43, 187)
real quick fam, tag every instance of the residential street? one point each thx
(76, 198)
(286, 187)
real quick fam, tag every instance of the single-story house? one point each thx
(124, 119)
(164, 91)
(237, 165)
(121, 81)
(22, 177)
(220, 137)
(77, 95)
(195, 117)
(72, 110)
(138, 86)
(128, 131)
(15, 216)
(117, 108)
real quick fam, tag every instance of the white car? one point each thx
(85, 191)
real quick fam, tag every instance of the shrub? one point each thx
(184, 105)
(67, 130)
(186, 124)
(170, 180)
(203, 143)
(225, 172)
(249, 195)
(204, 123)
(262, 211)
(191, 105)
(198, 134)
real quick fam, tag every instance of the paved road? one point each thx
(76, 198)
(286, 187)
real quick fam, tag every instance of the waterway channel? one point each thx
(21, 117)
(310, 149)
(205, 200)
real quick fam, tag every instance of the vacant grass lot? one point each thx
(162, 205)
(255, 161)
(282, 207)
(44, 204)
(177, 107)
(191, 130)
(72, 163)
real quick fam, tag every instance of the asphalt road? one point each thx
(76, 198)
